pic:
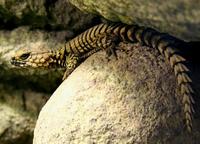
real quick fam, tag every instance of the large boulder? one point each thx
(129, 100)
(177, 17)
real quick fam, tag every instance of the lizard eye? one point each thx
(24, 56)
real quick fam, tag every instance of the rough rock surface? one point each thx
(15, 127)
(177, 17)
(129, 100)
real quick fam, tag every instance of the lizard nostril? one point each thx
(13, 60)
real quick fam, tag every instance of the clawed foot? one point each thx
(66, 74)
(111, 51)
(72, 62)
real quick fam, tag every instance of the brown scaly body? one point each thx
(106, 37)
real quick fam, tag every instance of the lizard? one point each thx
(106, 36)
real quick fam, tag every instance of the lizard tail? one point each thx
(178, 63)
(167, 46)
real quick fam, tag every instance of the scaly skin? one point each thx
(106, 37)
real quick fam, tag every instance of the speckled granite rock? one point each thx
(131, 100)
(177, 17)
(15, 127)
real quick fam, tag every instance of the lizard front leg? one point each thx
(108, 43)
(72, 62)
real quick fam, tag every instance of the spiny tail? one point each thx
(167, 46)
(178, 63)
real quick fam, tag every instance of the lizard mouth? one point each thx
(17, 63)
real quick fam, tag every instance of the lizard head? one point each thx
(30, 58)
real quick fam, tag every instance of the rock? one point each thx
(15, 127)
(45, 14)
(129, 100)
(180, 18)
(25, 100)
